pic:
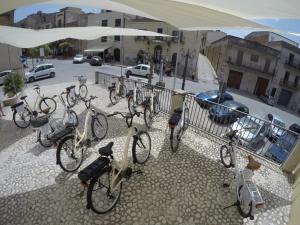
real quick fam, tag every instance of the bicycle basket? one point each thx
(82, 80)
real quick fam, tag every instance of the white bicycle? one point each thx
(151, 106)
(249, 198)
(69, 154)
(105, 175)
(117, 91)
(135, 98)
(72, 96)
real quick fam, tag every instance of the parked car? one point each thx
(3, 74)
(213, 96)
(96, 61)
(267, 99)
(140, 70)
(295, 127)
(40, 71)
(229, 112)
(280, 150)
(78, 59)
(276, 126)
(255, 135)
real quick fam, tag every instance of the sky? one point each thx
(282, 24)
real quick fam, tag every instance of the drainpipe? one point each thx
(177, 59)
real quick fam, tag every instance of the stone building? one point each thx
(285, 87)
(245, 65)
(10, 55)
(38, 20)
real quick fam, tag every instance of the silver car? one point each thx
(252, 137)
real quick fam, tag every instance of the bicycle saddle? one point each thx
(23, 97)
(178, 110)
(71, 87)
(253, 164)
(106, 150)
(175, 118)
(146, 101)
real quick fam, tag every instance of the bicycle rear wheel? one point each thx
(123, 91)
(22, 119)
(225, 155)
(71, 100)
(114, 98)
(67, 156)
(47, 104)
(44, 141)
(141, 147)
(100, 196)
(175, 138)
(131, 105)
(244, 208)
(148, 116)
(156, 106)
(83, 91)
(139, 97)
(99, 126)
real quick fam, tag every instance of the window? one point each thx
(59, 23)
(159, 30)
(137, 67)
(286, 76)
(117, 22)
(144, 67)
(254, 58)
(175, 34)
(104, 39)
(291, 59)
(117, 38)
(296, 81)
(104, 23)
(273, 92)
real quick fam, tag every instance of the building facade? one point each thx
(243, 64)
(10, 55)
(38, 20)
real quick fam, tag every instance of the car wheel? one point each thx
(31, 79)
(52, 75)
(128, 73)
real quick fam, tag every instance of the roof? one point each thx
(285, 45)
(268, 32)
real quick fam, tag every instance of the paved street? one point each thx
(181, 188)
(65, 70)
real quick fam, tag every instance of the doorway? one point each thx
(157, 53)
(234, 79)
(261, 86)
(284, 97)
(117, 54)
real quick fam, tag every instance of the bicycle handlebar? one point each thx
(127, 116)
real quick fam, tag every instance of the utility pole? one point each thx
(185, 68)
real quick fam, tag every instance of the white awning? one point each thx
(28, 38)
(187, 14)
(97, 49)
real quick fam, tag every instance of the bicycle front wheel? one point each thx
(67, 156)
(141, 147)
(47, 104)
(22, 119)
(175, 138)
(44, 141)
(131, 105)
(100, 196)
(225, 155)
(139, 97)
(244, 207)
(113, 96)
(99, 126)
(156, 106)
(83, 91)
(148, 116)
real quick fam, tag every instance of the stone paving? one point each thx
(181, 188)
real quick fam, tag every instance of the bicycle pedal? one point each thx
(226, 185)
(251, 217)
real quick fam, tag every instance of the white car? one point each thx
(253, 136)
(277, 123)
(3, 74)
(40, 71)
(78, 58)
(140, 70)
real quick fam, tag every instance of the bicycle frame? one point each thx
(39, 96)
(83, 136)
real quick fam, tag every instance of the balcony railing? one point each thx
(291, 85)
(292, 65)
(251, 67)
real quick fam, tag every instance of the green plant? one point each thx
(64, 46)
(13, 83)
(35, 52)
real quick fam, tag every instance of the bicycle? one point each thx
(49, 130)
(116, 91)
(151, 107)
(69, 154)
(105, 175)
(23, 113)
(134, 98)
(249, 198)
(72, 96)
(178, 123)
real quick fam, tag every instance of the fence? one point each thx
(266, 139)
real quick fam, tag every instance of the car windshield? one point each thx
(246, 122)
(212, 93)
(32, 69)
(279, 123)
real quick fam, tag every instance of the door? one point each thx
(284, 97)
(39, 72)
(261, 86)
(136, 70)
(117, 54)
(144, 70)
(157, 53)
(267, 65)
(234, 79)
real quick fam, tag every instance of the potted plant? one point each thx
(13, 83)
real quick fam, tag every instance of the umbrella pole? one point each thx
(177, 59)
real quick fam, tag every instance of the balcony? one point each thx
(251, 67)
(292, 65)
(290, 85)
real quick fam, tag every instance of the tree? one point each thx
(64, 46)
(35, 52)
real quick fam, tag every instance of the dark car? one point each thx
(96, 61)
(203, 98)
(295, 127)
(229, 112)
(267, 99)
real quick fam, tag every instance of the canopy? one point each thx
(179, 14)
(28, 38)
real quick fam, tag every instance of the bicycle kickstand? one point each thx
(234, 204)
(139, 172)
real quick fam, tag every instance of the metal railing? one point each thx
(266, 139)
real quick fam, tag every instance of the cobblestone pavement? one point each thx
(181, 188)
